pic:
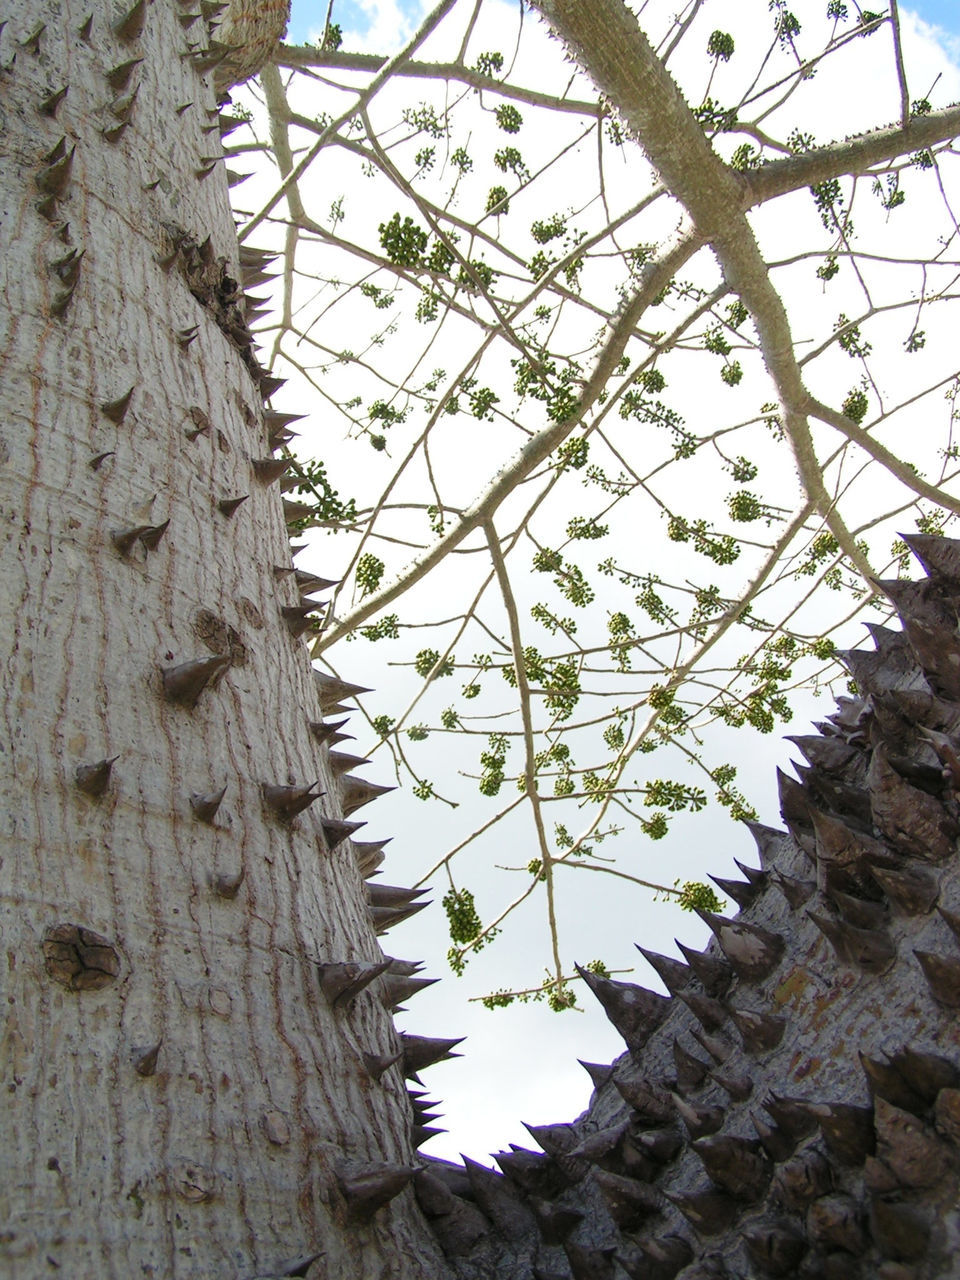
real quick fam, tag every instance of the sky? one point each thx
(353, 15)
(360, 15)
(943, 13)
(520, 1063)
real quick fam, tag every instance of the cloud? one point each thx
(374, 26)
(918, 32)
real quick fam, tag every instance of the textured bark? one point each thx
(201, 1076)
(251, 29)
(180, 1099)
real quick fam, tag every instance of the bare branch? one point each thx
(297, 58)
(530, 767)
(901, 70)
(851, 156)
(364, 98)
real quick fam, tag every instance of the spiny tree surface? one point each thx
(196, 1082)
(201, 1073)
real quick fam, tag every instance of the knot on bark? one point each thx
(80, 959)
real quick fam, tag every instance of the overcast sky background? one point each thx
(520, 1063)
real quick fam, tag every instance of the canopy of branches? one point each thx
(630, 354)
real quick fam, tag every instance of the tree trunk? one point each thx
(183, 1097)
(180, 1099)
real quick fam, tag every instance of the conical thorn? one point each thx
(356, 792)
(390, 895)
(752, 951)
(714, 972)
(130, 26)
(424, 1051)
(634, 1011)
(366, 1188)
(287, 800)
(116, 410)
(205, 804)
(269, 469)
(335, 831)
(48, 106)
(118, 77)
(340, 981)
(760, 1032)
(54, 177)
(228, 506)
(943, 977)
(145, 1059)
(332, 690)
(152, 535)
(377, 1063)
(126, 539)
(737, 1165)
(185, 682)
(340, 762)
(323, 732)
(94, 778)
(385, 918)
(228, 886)
(869, 949)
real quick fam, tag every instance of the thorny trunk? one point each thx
(186, 1094)
(180, 1099)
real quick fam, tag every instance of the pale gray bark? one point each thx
(180, 1098)
(223, 1161)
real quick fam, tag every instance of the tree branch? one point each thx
(850, 156)
(902, 470)
(299, 58)
(530, 763)
(535, 451)
(609, 44)
(364, 98)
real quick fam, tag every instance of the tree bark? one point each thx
(180, 1100)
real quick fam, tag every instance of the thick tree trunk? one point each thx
(179, 1097)
(182, 1096)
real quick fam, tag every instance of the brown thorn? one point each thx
(185, 682)
(227, 506)
(269, 469)
(145, 1059)
(226, 886)
(287, 801)
(130, 26)
(116, 410)
(205, 804)
(377, 1063)
(341, 981)
(94, 778)
(152, 535)
(48, 107)
(125, 539)
(32, 41)
(118, 77)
